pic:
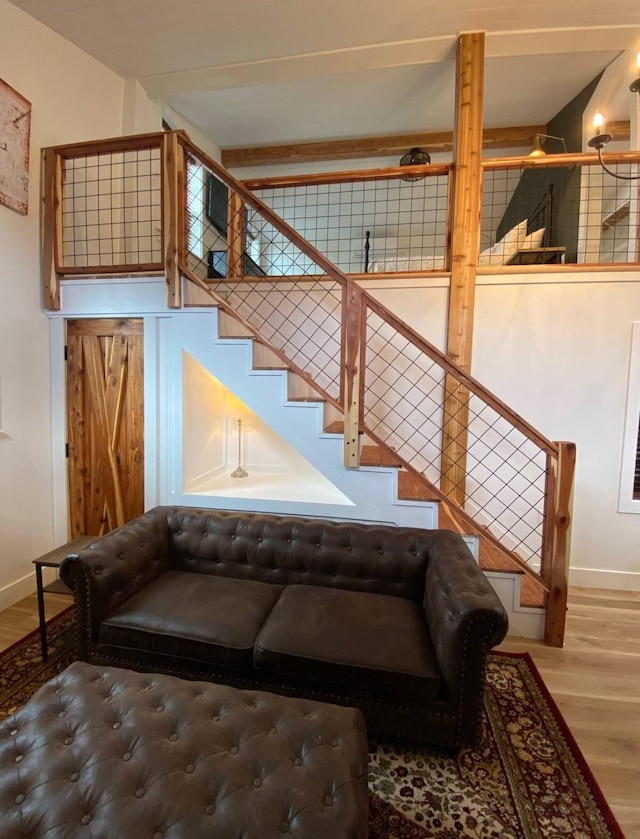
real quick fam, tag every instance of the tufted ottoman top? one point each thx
(105, 753)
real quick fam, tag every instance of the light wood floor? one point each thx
(594, 679)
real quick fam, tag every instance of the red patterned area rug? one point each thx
(526, 780)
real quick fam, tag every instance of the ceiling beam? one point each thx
(386, 146)
(417, 51)
(390, 146)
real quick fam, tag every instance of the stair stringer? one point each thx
(373, 493)
(524, 621)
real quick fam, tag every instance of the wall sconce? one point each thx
(601, 138)
(538, 143)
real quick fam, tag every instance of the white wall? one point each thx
(557, 350)
(74, 98)
(177, 121)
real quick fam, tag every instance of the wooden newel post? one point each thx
(173, 232)
(555, 570)
(353, 338)
(51, 227)
(235, 236)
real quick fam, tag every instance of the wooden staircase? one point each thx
(467, 452)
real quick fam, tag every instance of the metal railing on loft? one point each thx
(156, 203)
(577, 215)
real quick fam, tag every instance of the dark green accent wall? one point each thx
(566, 123)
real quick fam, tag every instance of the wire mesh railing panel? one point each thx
(112, 210)
(403, 397)
(560, 215)
(505, 480)
(218, 225)
(501, 472)
(369, 226)
(302, 319)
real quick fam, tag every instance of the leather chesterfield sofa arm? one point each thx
(111, 570)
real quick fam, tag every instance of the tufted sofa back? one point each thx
(288, 550)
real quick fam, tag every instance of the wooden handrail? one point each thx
(462, 376)
(555, 160)
(253, 201)
(461, 514)
(434, 170)
(112, 144)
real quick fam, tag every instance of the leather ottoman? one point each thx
(101, 752)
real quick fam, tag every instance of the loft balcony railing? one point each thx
(155, 204)
(577, 216)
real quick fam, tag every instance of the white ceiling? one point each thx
(256, 72)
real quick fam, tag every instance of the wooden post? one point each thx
(352, 378)
(235, 236)
(173, 232)
(51, 227)
(559, 531)
(466, 205)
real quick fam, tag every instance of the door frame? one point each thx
(110, 298)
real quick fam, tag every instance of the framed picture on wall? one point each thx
(15, 127)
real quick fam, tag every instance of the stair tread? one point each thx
(411, 488)
(377, 456)
(335, 427)
(532, 594)
(269, 367)
(305, 399)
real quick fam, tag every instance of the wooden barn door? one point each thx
(105, 424)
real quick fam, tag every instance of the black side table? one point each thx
(53, 560)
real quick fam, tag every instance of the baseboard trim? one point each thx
(601, 578)
(17, 591)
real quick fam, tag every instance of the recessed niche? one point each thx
(221, 434)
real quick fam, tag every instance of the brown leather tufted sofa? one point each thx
(396, 621)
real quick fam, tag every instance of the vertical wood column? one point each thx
(466, 205)
(51, 227)
(235, 236)
(173, 229)
(352, 378)
(558, 534)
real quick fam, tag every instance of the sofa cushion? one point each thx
(197, 616)
(356, 639)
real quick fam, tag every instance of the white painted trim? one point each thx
(59, 473)
(152, 367)
(604, 578)
(626, 502)
(524, 621)
(18, 590)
